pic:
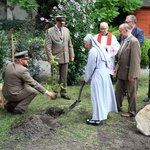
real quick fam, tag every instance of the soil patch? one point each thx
(54, 112)
(38, 125)
(37, 132)
(123, 136)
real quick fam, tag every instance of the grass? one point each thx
(74, 122)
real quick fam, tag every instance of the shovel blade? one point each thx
(77, 101)
(73, 105)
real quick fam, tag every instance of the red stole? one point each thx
(109, 38)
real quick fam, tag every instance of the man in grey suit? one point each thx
(16, 76)
(127, 70)
(58, 44)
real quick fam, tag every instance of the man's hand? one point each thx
(72, 59)
(131, 79)
(51, 61)
(115, 72)
(51, 95)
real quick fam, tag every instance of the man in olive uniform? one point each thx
(58, 44)
(16, 76)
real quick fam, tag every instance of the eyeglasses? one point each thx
(128, 21)
(103, 29)
(25, 58)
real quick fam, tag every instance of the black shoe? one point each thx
(18, 111)
(94, 122)
(66, 97)
(119, 109)
(9, 107)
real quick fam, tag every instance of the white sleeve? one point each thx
(113, 48)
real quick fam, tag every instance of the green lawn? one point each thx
(75, 121)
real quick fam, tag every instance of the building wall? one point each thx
(9, 11)
(16, 13)
(3, 11)
(143, 20)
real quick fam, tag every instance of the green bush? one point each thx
(8, 24)
(115, 32)
(144, 53)
(26, 37)
(33, 42)
(4, 50)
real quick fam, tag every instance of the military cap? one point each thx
(61, 19)
(23, 54)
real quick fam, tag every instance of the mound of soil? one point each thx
(37, 126)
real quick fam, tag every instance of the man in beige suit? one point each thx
(127, 70)
(58, 44)
(16, 76)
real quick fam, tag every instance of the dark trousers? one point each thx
(59, 75)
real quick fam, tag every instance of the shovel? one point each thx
(77, 101)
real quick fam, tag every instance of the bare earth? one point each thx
(37, 132)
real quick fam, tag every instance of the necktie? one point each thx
(60, 31)
(122, 45)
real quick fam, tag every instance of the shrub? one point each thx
(33, 42)
(4, 50)
(144, 53)
(26, 38)
(8, 24)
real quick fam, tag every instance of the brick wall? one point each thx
(143, 20)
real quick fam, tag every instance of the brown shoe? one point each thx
(128, 115)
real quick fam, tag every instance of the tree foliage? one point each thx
(107, 10)
(83, 16)
(26, 4)
(4, 50)
(104, 9)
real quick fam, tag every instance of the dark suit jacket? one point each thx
(129, 59)
(138, 33)
(16, 77)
